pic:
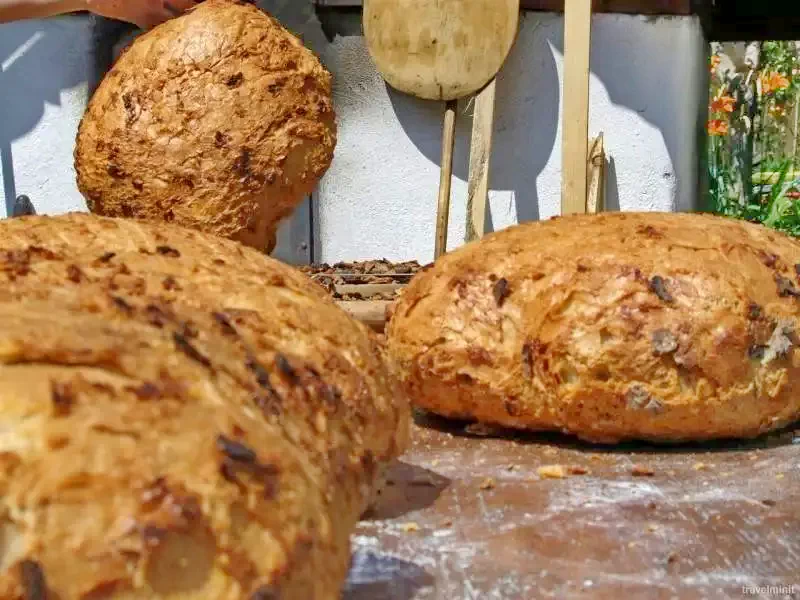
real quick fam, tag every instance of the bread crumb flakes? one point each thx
(642, 471)
(409, 527)
(577, 470)
(552, 472)
(487, 484)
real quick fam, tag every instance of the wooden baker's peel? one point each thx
(443, 50)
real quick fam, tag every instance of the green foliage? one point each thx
(751, 154)
(781, 57)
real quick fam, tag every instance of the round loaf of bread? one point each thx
(183, 417)
(662, 327)
(219, 120)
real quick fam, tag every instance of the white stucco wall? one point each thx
(379, 197)
(44, 70)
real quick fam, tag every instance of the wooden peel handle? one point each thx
(446, 177)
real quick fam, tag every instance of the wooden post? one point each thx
(575, 104)
(479, 162)
(596, 196)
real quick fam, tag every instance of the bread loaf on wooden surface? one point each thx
(663, 327)
(183, 417)
(220, 120)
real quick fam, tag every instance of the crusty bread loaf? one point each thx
(661, 327)
(183, 417)
(220, 120)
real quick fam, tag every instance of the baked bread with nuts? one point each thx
(220, 120)
(649, 326)
(183, 417)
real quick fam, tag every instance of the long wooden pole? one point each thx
(575, 103)
(445, 178)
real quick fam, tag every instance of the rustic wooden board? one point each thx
(468, 517)
(367, 289)
(371, 313)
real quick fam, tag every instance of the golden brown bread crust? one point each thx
(183, 417)
(663, 327)
(220, 120)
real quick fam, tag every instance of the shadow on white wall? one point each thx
(647, 97)
(630, 72)
(526, 124)
(34, 71)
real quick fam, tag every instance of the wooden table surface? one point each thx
(466, 516)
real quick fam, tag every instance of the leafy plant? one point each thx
(752, 136)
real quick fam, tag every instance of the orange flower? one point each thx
(772, 81)
(723, 104)
(717, 127)
(714, 62)
(777, 110)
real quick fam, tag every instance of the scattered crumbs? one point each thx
(447, 523)
(753, 457)
(700, 467)
(480, 429)
(550, 451)
(768, 502)
(552, 472)
(652, 527)
(442, 533)
(652, 505)
(632, 544)
(596, 458)
(779, 476)
(671, 473)
(642, 471)
(435, 462)
(577, 470)
(409, 527)
(487, 484)
(725, 474)
(512, 468)
(672, 558)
